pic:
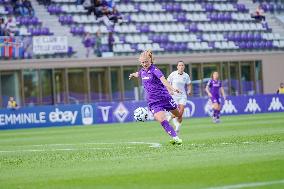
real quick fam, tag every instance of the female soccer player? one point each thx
(213, 88)
(180, 80)
(157, 93)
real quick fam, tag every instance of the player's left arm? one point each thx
(223, 93)
(189, 89)
(189, 86)
(168, 85)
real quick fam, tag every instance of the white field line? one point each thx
(151, 145)
(49, 150)
(249, 185)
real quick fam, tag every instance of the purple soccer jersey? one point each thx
(157, 96)
(214, 86)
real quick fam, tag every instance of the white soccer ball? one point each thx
(140, 114)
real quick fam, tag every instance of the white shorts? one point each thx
(180, 99)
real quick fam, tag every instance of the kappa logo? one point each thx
(252, 106)
(275, 105)
(208, 108)
(121, 112)
(87, 114)
(229, 107)
(105, 112)
(190, 110)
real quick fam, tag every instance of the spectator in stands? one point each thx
(45, 2)
(27, 45)
(28, 7)
(259, 14)
(110, 41)
(11, 25)
(2, 27)
(20, 9)
(98, 44)
(88, 43)
(115, 16)
(79, 2)
(100, 8)
(280, 89)
(89, 6)
(12, 104)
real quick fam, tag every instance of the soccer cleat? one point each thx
(177, 132)
(176, 141)
(214, 119)
(217, 120)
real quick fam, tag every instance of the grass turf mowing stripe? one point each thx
(250, 185)
(242, 149)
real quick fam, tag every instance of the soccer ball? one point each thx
(140, 114)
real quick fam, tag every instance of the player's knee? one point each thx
(160, 118)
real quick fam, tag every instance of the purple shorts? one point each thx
(215, 99)
(165, 105)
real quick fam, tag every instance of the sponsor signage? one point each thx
(119, 112)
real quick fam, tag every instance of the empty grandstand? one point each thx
(163, 26)
(64, 42)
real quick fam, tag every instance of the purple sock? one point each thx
(215, 113)
(218, 114)
(168, 128)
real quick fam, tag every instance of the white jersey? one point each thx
(179, 82)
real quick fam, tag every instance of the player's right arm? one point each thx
(207, 89)
(132, 75)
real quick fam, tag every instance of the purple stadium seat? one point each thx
(271, 7)
(211, 44)
(170, 47)
(244, 36)
(249, 45)
(269, 44)
(169, 7)
(262, 45)
(145, 28)
(241, 7)
(221, 17)
(257, 36)
(181, 17)
(228, 16)
(250, 36)
(183, 46)
(193, 27)
(134, 46)
(72, 30)
(104, 48)
(69, 19)
(237, 37)
(177, 7)
(35, 21)
(209, 7)
(255, 45)
(164, 38)
(36, 31)
(122, 38)
(44, 31)
(137, 6)
(156, 38)
(231, 36)
(61, 19)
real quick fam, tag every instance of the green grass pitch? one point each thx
(241, 152)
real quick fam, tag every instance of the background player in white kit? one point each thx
(181, 81)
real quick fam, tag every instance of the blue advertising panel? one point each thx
(119, 112)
